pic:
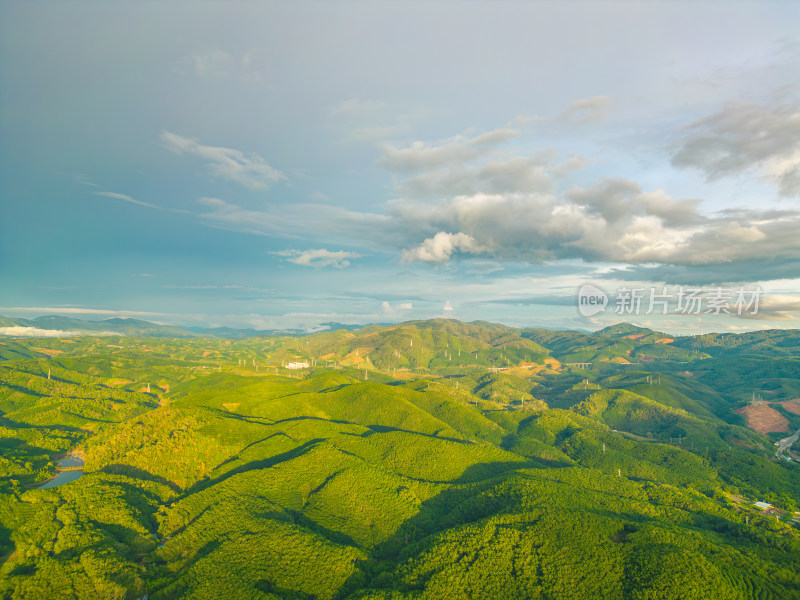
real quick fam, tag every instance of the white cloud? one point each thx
(448, 307)
(441, 247)
(784, 171)
(373, 121)
(250, 171)
(69, 310)
(124, 197)
(214, 63)
(340, 224)
(612, 221)
(462, 196)
(356, 108)
(397, 310)
(589, 109)
(421, 156)
(212, 287)
(36, 332)
(20, 331)
(319, 258)
(507, 175)
(82, 179)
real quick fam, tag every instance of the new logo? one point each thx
(591, 300)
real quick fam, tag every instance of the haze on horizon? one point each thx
(282, 165)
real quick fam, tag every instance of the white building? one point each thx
(297, 365)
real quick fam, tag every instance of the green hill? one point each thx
(432, 459)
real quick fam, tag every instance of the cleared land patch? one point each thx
(763, 418)
(48, 351)
(792, 406)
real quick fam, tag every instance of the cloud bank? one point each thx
(36, 332)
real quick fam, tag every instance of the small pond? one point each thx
(70, 462)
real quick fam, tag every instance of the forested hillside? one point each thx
(424, 460)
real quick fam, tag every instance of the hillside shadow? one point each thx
(465, 505)
(310, 418)
(120, 535)
(454, 507)
(90, 419)
(337, 537)
(182, 528)
(268, 587)
(23, 390)
(373, 429)
(224, 414)
(176, 586)
(335, 388)
(23, 446)
(566, 399)
(6, 545)
(6, 422)
(237, 456)
(489, 471)
(137, 473)
(140, 497)
(509, 442)
(265, 463)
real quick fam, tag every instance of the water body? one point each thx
(70, 462)
(62, 478)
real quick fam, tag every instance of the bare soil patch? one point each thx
(48, 351)
(792, 406)
(764, 419)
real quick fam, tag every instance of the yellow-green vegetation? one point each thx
(425, 460)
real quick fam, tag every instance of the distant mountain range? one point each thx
(141, 328)
(133, 327)
(571, 344)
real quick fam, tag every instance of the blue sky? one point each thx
(287, 164)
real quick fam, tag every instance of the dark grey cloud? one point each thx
(775, 307)
(743, 136)
(506, 175)
(542, 300)
(711, 274)
(617, 199)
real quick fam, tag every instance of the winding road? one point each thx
(784, 445)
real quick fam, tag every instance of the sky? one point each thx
(291, 164)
